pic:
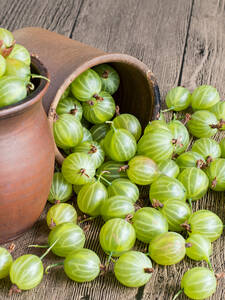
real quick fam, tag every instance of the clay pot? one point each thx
(66, 59)
(26, 160)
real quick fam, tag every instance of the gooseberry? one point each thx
(18, 69)
(130, 123)
(86, 85)
(208, 148)
(156, 144)
(124, 187)
(2, 65)
(114, 171)
(148, 223)
(99, 131)
(190, 159)
(117, 236)
(178, 98)
(167, 188)
(142, 170)
(69, 105)
(216, 174)
(109, 77)
(180, 135)
(78, 168)
(21, 53)
(133, 269)
(61, 190)
(169, 168)
(61, 213)
(68, 131)
(5, 262)
(204, 97)
(167, 248)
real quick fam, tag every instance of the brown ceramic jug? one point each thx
(66, 59)
(26, 161)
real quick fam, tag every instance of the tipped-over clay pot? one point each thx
(66, 59)
(26, 160)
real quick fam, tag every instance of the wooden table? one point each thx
(183, 42)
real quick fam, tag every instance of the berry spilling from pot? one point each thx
(108, 156)
(15, 70)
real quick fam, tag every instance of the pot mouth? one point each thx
(107, 58)
(36, 95)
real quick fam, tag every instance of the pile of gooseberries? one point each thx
(15, 70)
(107, 157)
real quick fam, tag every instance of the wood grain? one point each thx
(181, 41)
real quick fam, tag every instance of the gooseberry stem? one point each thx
(210, 265)
(178, 294)
(112, 126)
(49, 249)
(100, 177)
(40, 76)
(190, 203)
(88, 219)
(38, 246)
(109, 259)
(168, 109)
(53, 265)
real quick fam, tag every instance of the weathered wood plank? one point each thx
(55, 15)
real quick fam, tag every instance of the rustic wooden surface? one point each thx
(183, 42)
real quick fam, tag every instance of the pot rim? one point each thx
(104, 58)
(34, 97)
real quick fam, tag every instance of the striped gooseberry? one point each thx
(167, 248)
(85, 123)
(26, 272)
(99, 131)
(87, 136)
(160, 123)
(142, 170)
(77, 188)
(109, 77)
(86, 85)
(176, 213)
(117, 207)
(6, 42)
(124, 187)
(190, 159)
(78, 168)
(198, 283)
(195, 182)
(18, 69)
(82, 265)
(2, 65)
(156, 144)
(119, 144)
(21, 53)
(206, 223)
(180, 134)
(199, 248)
(133, 269)
(93, 150)
(100, 108)
(114, 171)
(130, 123)
(5, 262)
(61, 190)
(148, 223)
(178, 98)
(203, 124)
(166, 188)
(222, 147)
(91, 197)
(12, 90)
(116, 237)
(66, 237)
(68, 131)
(169, 168)
(61, 213)
(208, 148)
(69, 105)
(204, 97)
(216, 174)
(219, 111)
